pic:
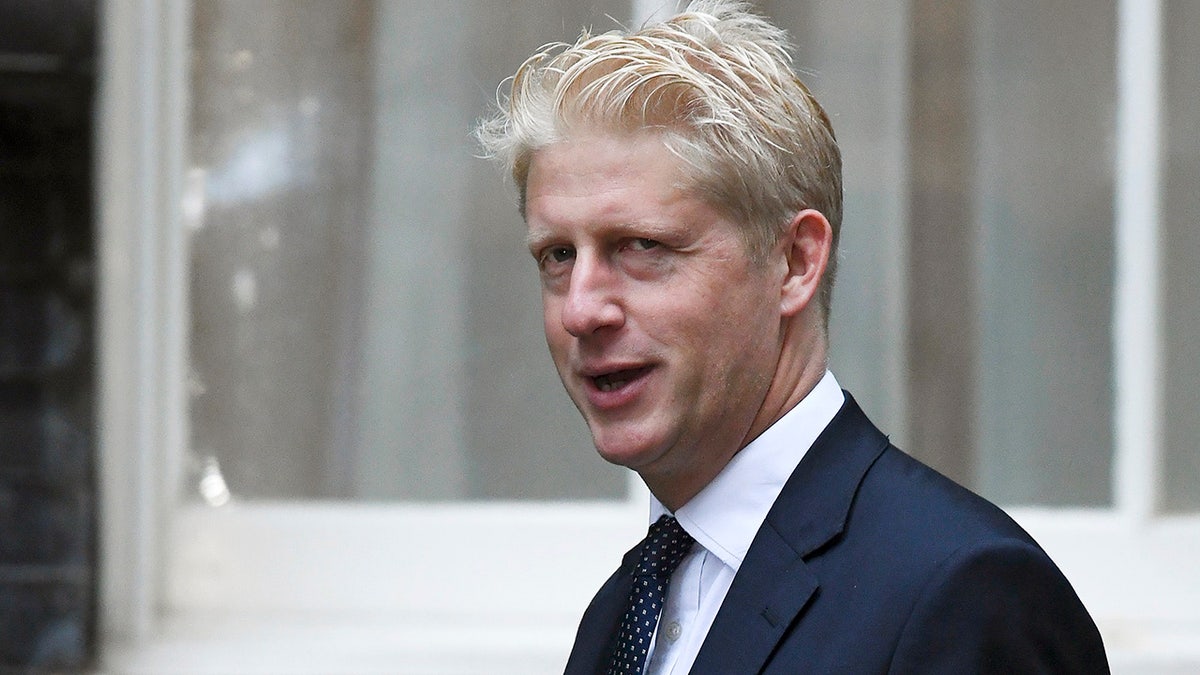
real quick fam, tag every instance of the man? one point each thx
(682, 192)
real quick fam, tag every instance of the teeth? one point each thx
(617, 379)
(609, 382)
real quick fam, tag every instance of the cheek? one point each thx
(742, 332)
(553, 328)
(551, 309)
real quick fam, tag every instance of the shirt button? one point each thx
(673, 631)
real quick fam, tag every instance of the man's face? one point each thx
(664, 332)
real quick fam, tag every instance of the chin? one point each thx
(620, 456)
(631, 453)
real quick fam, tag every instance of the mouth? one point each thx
(617, 379)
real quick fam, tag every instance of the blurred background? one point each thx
(274, 395)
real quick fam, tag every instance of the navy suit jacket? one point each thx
(871, 562)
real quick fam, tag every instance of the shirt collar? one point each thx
(726, 514)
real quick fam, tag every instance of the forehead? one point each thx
(607, 156)
(630, 170)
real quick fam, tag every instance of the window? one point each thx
(364, 324)
(324, 391)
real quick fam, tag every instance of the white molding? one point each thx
(405, 588)
(402, 561)
(1137, 303)
(140, 311)
(275, 645)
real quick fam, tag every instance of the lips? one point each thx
(614, 387)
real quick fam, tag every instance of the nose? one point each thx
(593, 300)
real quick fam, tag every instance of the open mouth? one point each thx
(615, 380)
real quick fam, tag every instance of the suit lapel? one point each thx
(768, 592)
(774, 585)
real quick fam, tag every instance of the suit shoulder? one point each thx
(998, 607)
(908, 497)
(970, 581)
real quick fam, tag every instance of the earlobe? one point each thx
(808, 243)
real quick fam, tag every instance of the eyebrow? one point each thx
(535, 237)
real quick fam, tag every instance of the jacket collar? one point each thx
(774, 584)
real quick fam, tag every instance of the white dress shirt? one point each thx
(723, 519)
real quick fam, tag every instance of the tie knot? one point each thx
(664, 548)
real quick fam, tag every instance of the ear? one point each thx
(807, 245)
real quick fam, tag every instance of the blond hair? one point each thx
(716, 82)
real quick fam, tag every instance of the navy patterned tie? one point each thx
(662, 550)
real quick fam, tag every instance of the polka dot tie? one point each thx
(662, 551)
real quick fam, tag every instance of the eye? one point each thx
(556, 255)
(643, 244)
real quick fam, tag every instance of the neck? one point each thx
(802, 363)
